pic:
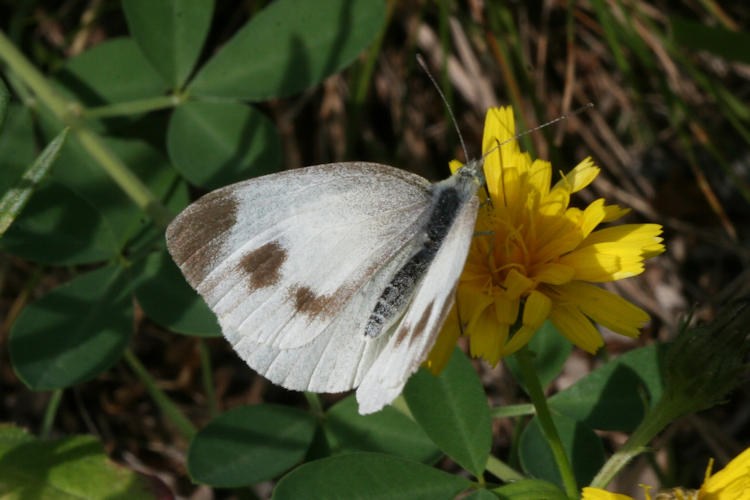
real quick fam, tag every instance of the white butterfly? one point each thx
(331, 277)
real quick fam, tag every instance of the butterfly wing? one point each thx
(337, 359)
(410, 343)
(292, 264)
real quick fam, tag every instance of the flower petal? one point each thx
(605, 308)
(506, 310)
(733, 481)
(614, 212)
(553, 273)
(581, 176)
(555, 202)
(499, 126)
(535, 313)
(605, 262)
(441, 352)
(507, 192)
(592, 216)
(576, 327)
(590, 493)
(642, 236)
(564, 243)
(486, 337)
(536, 309)
(516, 284)
(471, 305)
(540, 176)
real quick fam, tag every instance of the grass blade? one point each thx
(16, 198)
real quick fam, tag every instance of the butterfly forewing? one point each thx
(283, 258)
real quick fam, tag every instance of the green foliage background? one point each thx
(115, 115)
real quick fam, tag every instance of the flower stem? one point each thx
(167, 407)
(656, 420)
(526, 362)
(208, 379)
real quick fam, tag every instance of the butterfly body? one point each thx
(447, 197)
(334, 276)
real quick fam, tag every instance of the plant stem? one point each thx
(4, 100)
(33, 78)
(133, 107)
(502, 471)
(122, 175)
(526, 362)
(315, 405)
(69, 113)
(208, 379)
(50, 412)
(656, 420)
(512, 411)
(167, 407)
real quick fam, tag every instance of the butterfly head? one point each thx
(472, 172)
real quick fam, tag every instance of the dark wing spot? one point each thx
(447, 306)
(419, 328)
(194, 237)
(262, 265)
(401, 335)
(307, 302)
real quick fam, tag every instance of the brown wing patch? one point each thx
(422, 323)
(447, 305)
(196, 232)
(401, 335)
(262, 265)
(418, 328)
(306, 301)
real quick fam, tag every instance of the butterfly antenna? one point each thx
(423, 64)
(583, 108)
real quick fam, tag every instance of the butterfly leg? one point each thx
(490, 250)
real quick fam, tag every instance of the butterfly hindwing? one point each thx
(339, 357)
(410, 342)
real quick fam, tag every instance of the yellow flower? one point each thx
(730, 483)
(535, 258)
